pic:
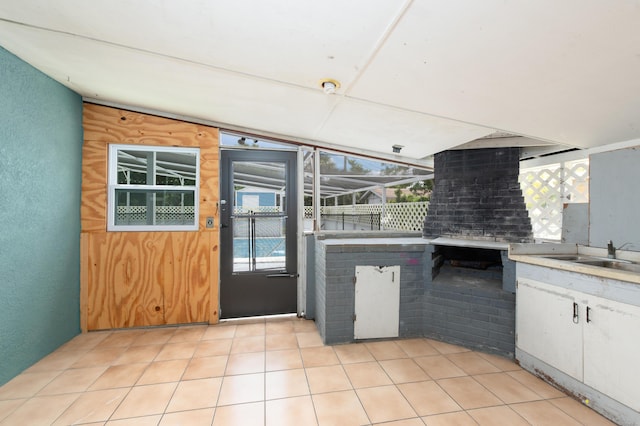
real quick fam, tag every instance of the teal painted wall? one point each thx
(40, 176)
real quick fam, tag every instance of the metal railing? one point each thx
(346, 221)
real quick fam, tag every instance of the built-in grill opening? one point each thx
(467, 266)
(472, 258)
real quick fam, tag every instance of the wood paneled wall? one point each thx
(132, 279)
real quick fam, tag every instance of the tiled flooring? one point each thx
(276, 372)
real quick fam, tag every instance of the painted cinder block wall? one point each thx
(471, 316)
(40, 178)
(336, 261)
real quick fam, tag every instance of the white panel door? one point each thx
(611, 350)
(377, 302)
(549, 325)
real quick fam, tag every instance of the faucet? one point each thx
(611, 250)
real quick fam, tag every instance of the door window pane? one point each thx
(259, 242)
(259, 216)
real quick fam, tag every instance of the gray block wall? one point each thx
(335, 270)
(320, 290)
(310, 302)
(479, 318)
(508, 272)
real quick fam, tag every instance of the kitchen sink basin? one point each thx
(581, 258)
(612, 264)
(567, 257)
(603, 262)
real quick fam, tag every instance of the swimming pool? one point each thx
(265, 247)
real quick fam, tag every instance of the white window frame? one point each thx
(113, 186)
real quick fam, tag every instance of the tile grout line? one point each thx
(224, 375)
(135, 383)
(304, 368)
(353, 388)
(80, 394)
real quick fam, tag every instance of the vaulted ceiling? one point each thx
(428, 75)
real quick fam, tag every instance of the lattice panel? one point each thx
(308, 212)
(165, 215)
(405, 216)
(265, 226)
(547, 188)
(394, 216)
(256, 209)
(576, 181)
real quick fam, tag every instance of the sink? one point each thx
(612, 264)
(629, 267)
(582, 258)
(569, 257)
(603, 262)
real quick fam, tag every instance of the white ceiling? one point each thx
(426, 74)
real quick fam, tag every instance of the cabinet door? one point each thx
(546, 327)
(612, 349)
(377, 302)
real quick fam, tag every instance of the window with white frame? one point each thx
(153, 188)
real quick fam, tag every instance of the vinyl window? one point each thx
(153, 188)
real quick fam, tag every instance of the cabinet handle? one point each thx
(575, 313)
(588, 314)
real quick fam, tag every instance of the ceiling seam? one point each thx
(361, 69)
(378, 45)
(328, 115)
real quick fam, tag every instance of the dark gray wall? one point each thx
(40, 172)
(476, 195)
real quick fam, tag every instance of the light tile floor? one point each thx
(276, 371)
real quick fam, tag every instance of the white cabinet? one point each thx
(548, 325)
(612, 350)
(594, 340)
(377, 302)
